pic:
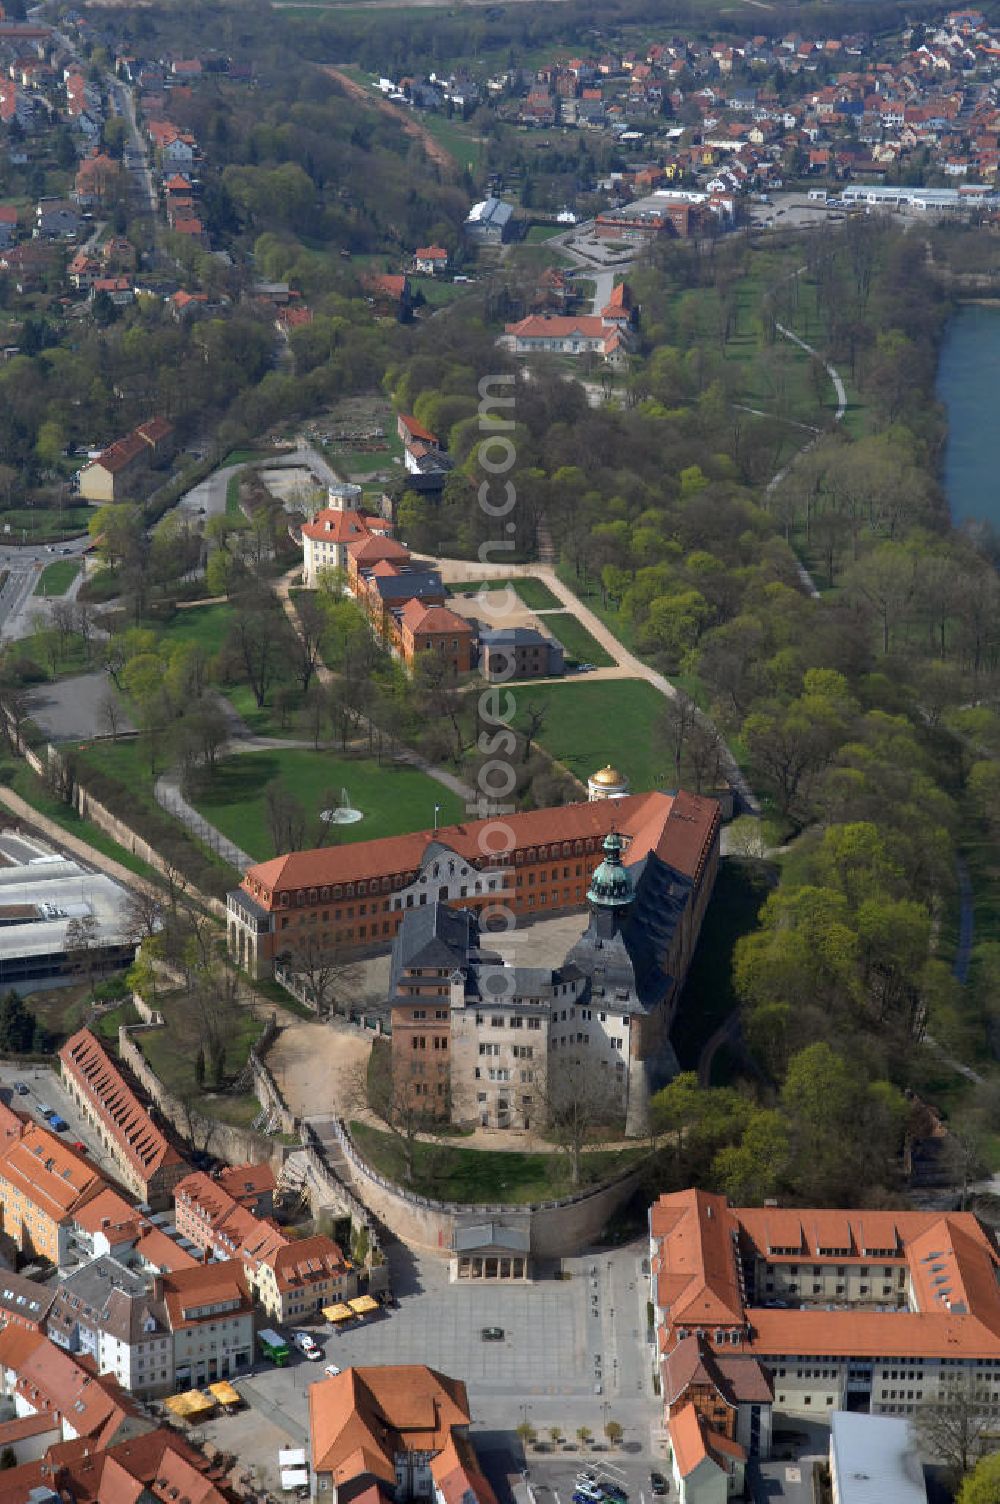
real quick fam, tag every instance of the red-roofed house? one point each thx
(209, 1312)
(708, 1468)
(146, 1159)
(117, 473)
(326, 539)
(432, 260)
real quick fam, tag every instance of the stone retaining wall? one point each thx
(557, 1228)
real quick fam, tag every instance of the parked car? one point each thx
(492, 1334)
(613, 1492)
(58, 1124)
(44, 1110)
(658, 1484)
(21, 1088)
(331, 1370)
(307, 1346)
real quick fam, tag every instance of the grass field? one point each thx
(607, 721)
(455, 136)
(577, 641)
(438, 291)
(205, 625)
(535, 594)
(538, 234)
(56, 578)
(171, 1051)
(394, 800)
(474, 1175)
(40, 525)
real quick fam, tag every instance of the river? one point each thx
(968, 383)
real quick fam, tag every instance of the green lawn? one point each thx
(172, 1051)
(474, 1175)
(393, 799)
(41, 525)
(578, 642)
(605, 721)
(437, 291)
(538, 234)
(535, 594)
(56, 578)
(206, 625)
(455, 136)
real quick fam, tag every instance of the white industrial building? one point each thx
(41, 891)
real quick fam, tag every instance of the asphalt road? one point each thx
(25, 565)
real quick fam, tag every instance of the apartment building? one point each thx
(118, 472)
(43, 1184)
(43, 1380)
(401, 1428)
(156, 1464)
(210, 1316)
(877, 1311)
(147, 1161)
(356, 895)
(288, 1277)
(106, 1311)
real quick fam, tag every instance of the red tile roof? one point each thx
(361, 1419)
(141, 1143)
(333, 526)
(417, 617)
(417, 430)
(647, 820)
(193, 1295)
(48, 1174)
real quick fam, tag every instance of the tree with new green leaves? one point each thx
(753, 1169)
(982, 1485)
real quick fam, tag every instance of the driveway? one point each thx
(208, 498)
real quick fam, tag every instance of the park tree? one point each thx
(982, 1484)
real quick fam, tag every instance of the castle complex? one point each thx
(475, 1038)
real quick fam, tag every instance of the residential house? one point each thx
(389, 293)
(105, 1311)
(402, 1430)
(119, 289)
(42, 1184)
(98, 180)
(82, 271)
(210, 1314)
(8, 224)
(146, 1160)
(55, 220)
(42, 1379)
(119, 471)
(23, 1302)
(431, 260)
(568, 334)
(153, 1465)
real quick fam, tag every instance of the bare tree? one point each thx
(16, 708)
(142, 915)
(958, 1430)
(578, 1096)
(62, 616)
(110, 714)
(675, 724)
(308, 637)
(286, 818)
(331, 981)
(81, 943)
(373, 1088)
(256, 642)
(85, 624)
(535, 712)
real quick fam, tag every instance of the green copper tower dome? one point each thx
(611, 886)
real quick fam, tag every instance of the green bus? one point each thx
(273, 1347)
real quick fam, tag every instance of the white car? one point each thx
(331, 1370)
(307, 1346)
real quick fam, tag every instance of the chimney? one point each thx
(157, 1286)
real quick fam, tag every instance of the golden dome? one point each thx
(609, 778)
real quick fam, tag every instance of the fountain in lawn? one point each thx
(344, 814)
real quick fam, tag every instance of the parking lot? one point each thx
(44, 1086)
